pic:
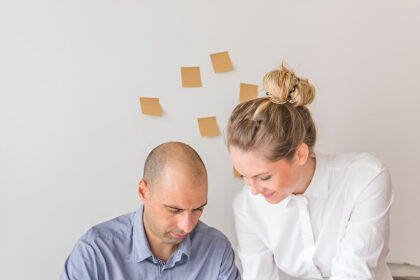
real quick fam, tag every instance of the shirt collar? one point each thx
(319, 184)
(184, 249)
(141, 248)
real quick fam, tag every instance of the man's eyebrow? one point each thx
(177, 208)
(173, 207)
(201, 206)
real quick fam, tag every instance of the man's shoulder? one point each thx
(119, 227)
(205, 234)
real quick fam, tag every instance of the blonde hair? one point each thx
(278, 123)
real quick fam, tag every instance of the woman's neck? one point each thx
(308, 171)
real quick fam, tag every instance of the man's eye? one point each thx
(174, 210)
(265, 178)
(199, 209)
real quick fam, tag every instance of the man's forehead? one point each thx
(183, 175)
(182, 196)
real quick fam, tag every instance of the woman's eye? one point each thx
(265, 178)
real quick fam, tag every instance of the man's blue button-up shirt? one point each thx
(118, 249)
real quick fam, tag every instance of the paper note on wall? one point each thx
(208, 127)
(221, 62)
(247, 92)
(150, 106)
(236, 173)
(190, 77)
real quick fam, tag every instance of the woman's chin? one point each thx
(274, 198)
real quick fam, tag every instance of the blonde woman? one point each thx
(304, 214)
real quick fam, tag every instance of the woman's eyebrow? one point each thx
(264, 173)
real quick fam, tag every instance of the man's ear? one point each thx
(143, 190)
(302, 153)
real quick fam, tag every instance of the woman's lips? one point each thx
(268, 195)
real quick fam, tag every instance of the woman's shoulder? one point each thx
(355, 172)
(354, 161)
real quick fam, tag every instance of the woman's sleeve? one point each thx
(365, 242)
(257, 260)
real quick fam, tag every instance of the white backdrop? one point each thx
(73, 140)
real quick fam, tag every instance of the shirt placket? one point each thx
(307, 237)
(160, 266)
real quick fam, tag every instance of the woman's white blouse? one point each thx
(337, 229)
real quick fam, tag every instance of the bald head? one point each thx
(173, 155)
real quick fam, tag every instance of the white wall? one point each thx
(73, 141)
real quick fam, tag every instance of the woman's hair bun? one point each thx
(283, 86)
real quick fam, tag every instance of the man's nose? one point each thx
(186, 222)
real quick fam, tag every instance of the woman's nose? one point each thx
(255, 190)
(251, 183)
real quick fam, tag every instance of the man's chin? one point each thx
(172, 239)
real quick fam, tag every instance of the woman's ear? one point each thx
(302, 153)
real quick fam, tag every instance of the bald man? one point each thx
(164, 239)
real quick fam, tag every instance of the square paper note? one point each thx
(236, 173)
(208, 127)
(150, 106)
(221, 62)
(190, 77)
(247, 92)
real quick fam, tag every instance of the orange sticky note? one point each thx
(221, 62)
(247, 92)
(190, 76)
(236, 173)
(208, 127)
(150, 106)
